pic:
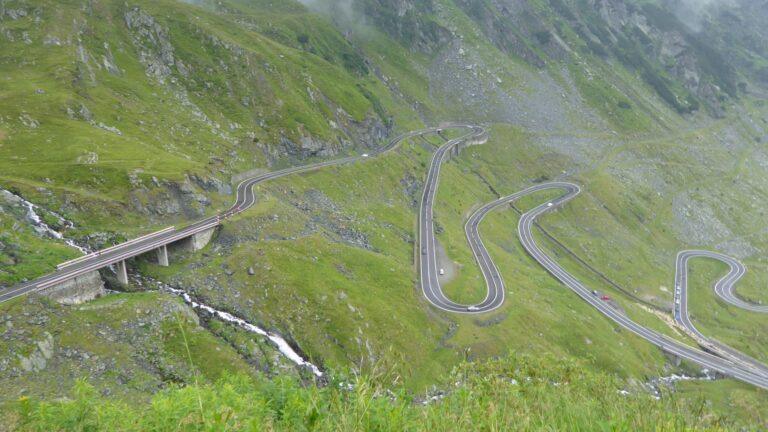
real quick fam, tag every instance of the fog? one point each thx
(694, 13)
(339, 8)
(342, 12)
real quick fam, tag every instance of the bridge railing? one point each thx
(111, 248)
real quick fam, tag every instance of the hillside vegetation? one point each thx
(125, 117)
(515, 393)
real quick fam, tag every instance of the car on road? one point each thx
(365, 154)
(472, 308)
(442, 272)
(424, 250)
(605, 298)
(549, 204)
(594, 292)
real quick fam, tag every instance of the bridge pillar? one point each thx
(122, 272)
(201, 239)
(162, 255)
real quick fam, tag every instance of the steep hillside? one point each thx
(517, 393)
(151, 108)
(117, 118)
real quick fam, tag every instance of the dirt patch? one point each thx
(445, 264)
(3, 135)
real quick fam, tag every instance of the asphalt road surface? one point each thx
(737, 366)
(245, 198)
(725, 366)
(724, 290)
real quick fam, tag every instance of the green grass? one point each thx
(715, 318)
(162, 137)
(318, 288)
(24, 253)
(128, 345)
(515, 392)
(345, 305)
(337, 273)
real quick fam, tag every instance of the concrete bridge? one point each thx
(74, 281)
(78, 279)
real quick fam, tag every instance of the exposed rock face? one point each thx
(154, 45)
(508, 27)
(681, 51)
(460, 76)
(368, 133)
(163, 198)
(211, 184)
(41, 353)
(108, 61)
(78, 290)
(408, 21)
(307, 146)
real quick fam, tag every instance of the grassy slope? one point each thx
(127, 345)
(516, 392)
(337, 299)
(162, 137)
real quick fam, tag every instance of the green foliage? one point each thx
(511, 393)
(24, 253)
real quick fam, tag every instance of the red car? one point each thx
(605, 297)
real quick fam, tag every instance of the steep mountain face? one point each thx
(685, 50)
(137, 96)
(411, 22)
(118, 118)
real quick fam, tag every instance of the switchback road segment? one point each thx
(734, 366)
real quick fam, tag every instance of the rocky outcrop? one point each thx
(367, 133)
(687, 55)
(153, 44)
(510, 26)
(160, 198)
(37, 360)
(406, 20)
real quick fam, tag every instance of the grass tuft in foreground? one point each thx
(512, 393)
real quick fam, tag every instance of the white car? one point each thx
(442, 272)
(365, 154)
(472, 308)
(549, 204)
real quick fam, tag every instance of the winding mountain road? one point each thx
(724, 289)
(736, 365)
(727, 361)
(245, 198)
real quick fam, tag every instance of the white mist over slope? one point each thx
(694, 13)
